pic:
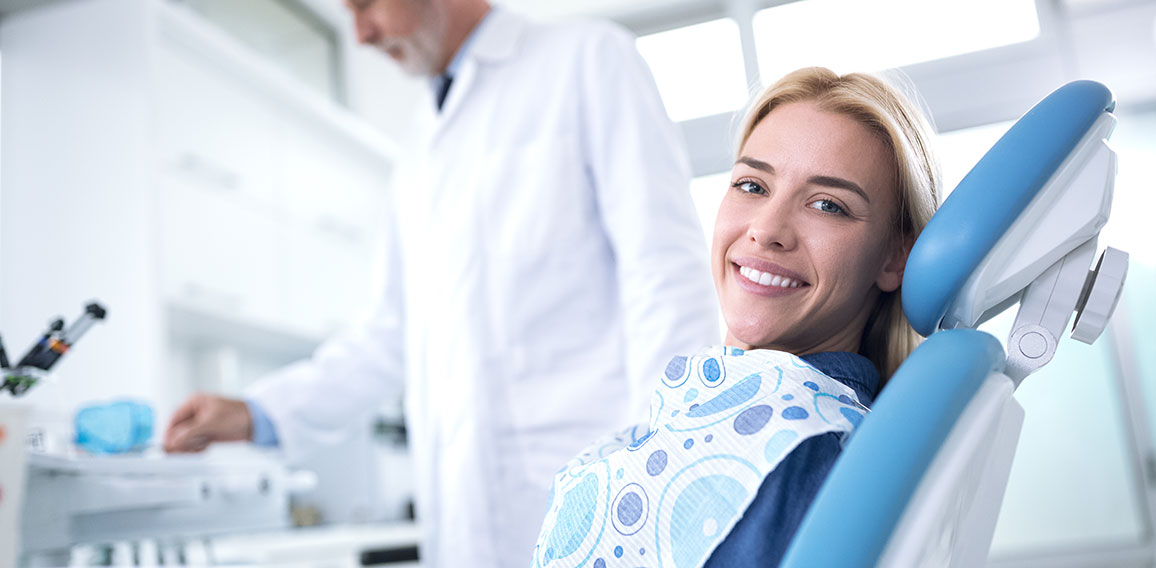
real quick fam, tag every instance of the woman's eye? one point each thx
(827, 206)
(749, 187)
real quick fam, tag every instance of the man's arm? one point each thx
(641, 174)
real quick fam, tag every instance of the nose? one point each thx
(773, 226)
(367, 32)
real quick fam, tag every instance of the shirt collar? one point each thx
(851, 369)
(463, 50)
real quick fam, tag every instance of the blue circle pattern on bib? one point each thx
(681, 483)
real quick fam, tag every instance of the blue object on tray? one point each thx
(114, 428)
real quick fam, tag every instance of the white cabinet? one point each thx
(268, 211)
(334, 215)
(210, 128)
(215, 164)
(154, 162)
(218, 254)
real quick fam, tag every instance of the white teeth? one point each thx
(768, 279)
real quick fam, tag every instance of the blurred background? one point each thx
(212, 170)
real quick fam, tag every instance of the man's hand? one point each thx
(204, 419)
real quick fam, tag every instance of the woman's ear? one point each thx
(891, 274)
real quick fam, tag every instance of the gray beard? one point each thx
(424, 49)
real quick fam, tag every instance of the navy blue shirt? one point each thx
(762, 535)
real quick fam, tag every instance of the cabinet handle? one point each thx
(206, 172)
(347, 232)
(219, 299)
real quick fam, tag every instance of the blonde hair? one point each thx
(887, 338)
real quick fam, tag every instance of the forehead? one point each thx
(803, 139)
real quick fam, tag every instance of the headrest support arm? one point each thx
(1047, 305)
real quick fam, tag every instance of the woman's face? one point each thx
(804, 240)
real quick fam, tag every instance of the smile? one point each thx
(768, 279)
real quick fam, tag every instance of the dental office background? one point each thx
(212, 171)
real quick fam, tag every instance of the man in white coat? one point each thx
(544, 263)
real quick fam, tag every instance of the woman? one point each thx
(833, 181)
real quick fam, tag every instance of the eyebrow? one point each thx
(756, 164)
(826, 181)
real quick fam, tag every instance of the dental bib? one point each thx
(667, 495)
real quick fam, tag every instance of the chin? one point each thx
(749, 336)
(413, 68)
(412, 62)
(750, 327)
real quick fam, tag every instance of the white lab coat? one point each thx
(545, 263)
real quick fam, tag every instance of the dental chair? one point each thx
(921, 481)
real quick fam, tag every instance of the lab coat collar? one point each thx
(455, 65)
(498, 36)
(495, 40)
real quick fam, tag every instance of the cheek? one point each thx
(397, 18)
(858, 260)
(838, 252)
(728, 228)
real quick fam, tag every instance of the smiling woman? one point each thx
(832, 183)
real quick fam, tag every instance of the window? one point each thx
(961, 149)
(707, 192)
(851, 35)
(699, 69)
(286, 33)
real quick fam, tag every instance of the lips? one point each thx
(768, 274)
(763, 278)
(768, 279)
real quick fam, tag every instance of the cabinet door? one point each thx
(333, 202)
(269, 214)
(218, 256)
(212, 128)
(327, 279)
(215, 153)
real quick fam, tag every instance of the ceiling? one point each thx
(553, 9)
(563, 8)
(9, 6)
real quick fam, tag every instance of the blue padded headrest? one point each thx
(986, 203)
